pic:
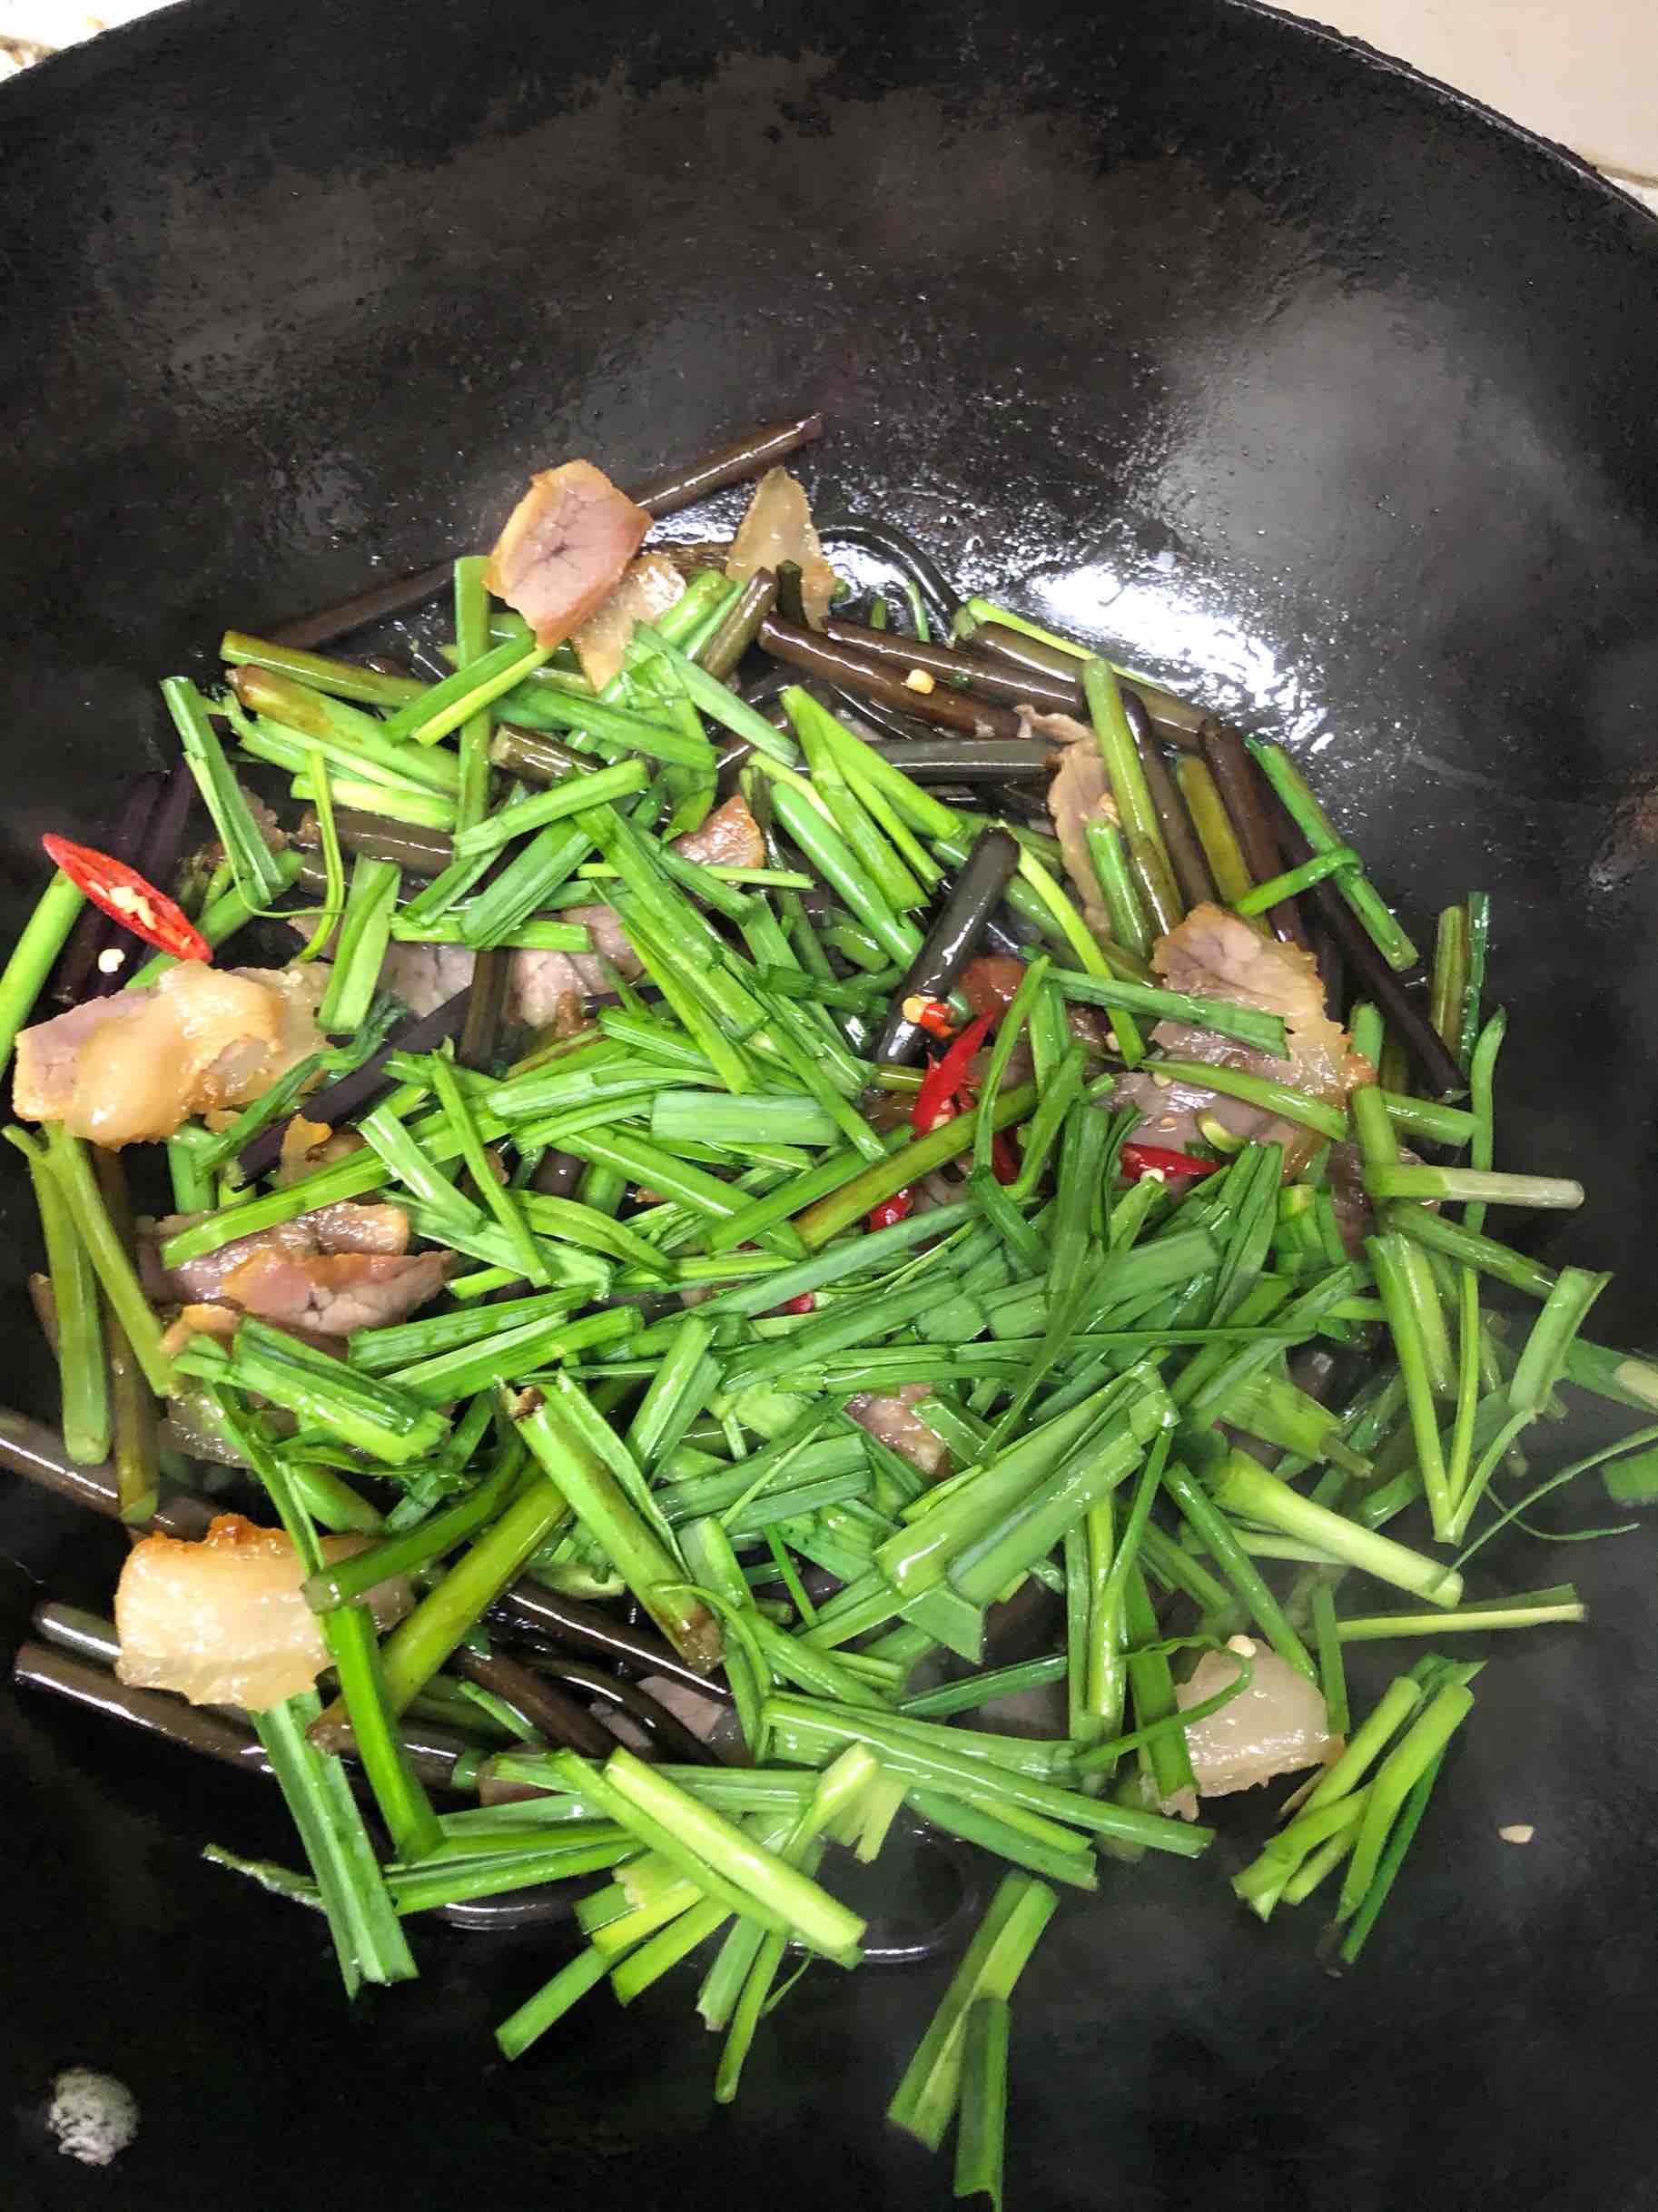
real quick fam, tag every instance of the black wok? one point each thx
(1327, 396)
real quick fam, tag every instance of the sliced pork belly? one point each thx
(730, 838)
(1078, 794)
(544, 987)
(1276, 1726)
(890, 1418)
(220, 1619)
(649, 587)
(133, 1067)
(777, 528)
(1216, 955)
(565, 547)
(344, 1268)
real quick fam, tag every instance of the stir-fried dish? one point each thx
(704, 1148)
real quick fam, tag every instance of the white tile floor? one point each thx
(30, 29)
(1583, 72)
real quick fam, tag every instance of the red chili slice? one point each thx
(1137, 1160)
(945, 1077)
(1004, 1158)
(935, 1017)
(898, 1208)
(124, 895)
(805, 1303)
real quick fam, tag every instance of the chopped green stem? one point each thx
(1008, 1033)
(427, 1888)
(1553, 1193)
(395, 1346)
(1563, 1313)
(341, 1581)
(1372, 910)
(840, 1793)
(1368, 1031)
(833, 859)
(867, 1188)
(1393, 1710)
(575, 795)
(1119, 887)
(1208, 1522)
(523, 886)
(969, 1691)
(333, 867)
(1449, 985)
(983, 2101)
(253, 864)
(1338, 858)
(925, 2099)
(1267, 1879)
(368, 1940)
(443, 707)
(360, 951)
(43, 938)
(756, 1881)
(883, 865)
(1449, 1125)
(67, 1163)
(355, 742)
(419, 1645)
(410, 1820)
(471, 646)
(1249, 1024)
(1049, 1851)
(1394, 1283)
(710, 695)
(1280, 1098)
(1477, 933)
(1332, 1673)
(551, 2001)
(82, 1382)
(614, 1522)
(919, 1556)
(1466, 1620)
(1243, 1487)
(134, 1426)
(1159, 1729)
(1393, 1857)
(1127, 777)
(1071, 930)
(504, 1204)
(1470, 1248)
(979, 1770)
(1057, 1096)
(1394, 1778)
(342, 679)
(1213, 824)
(1113, 1555)
(1482, 1076)
(375, 1415)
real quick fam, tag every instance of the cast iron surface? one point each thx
(1298, 378)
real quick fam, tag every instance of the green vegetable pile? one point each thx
(660, 1404)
